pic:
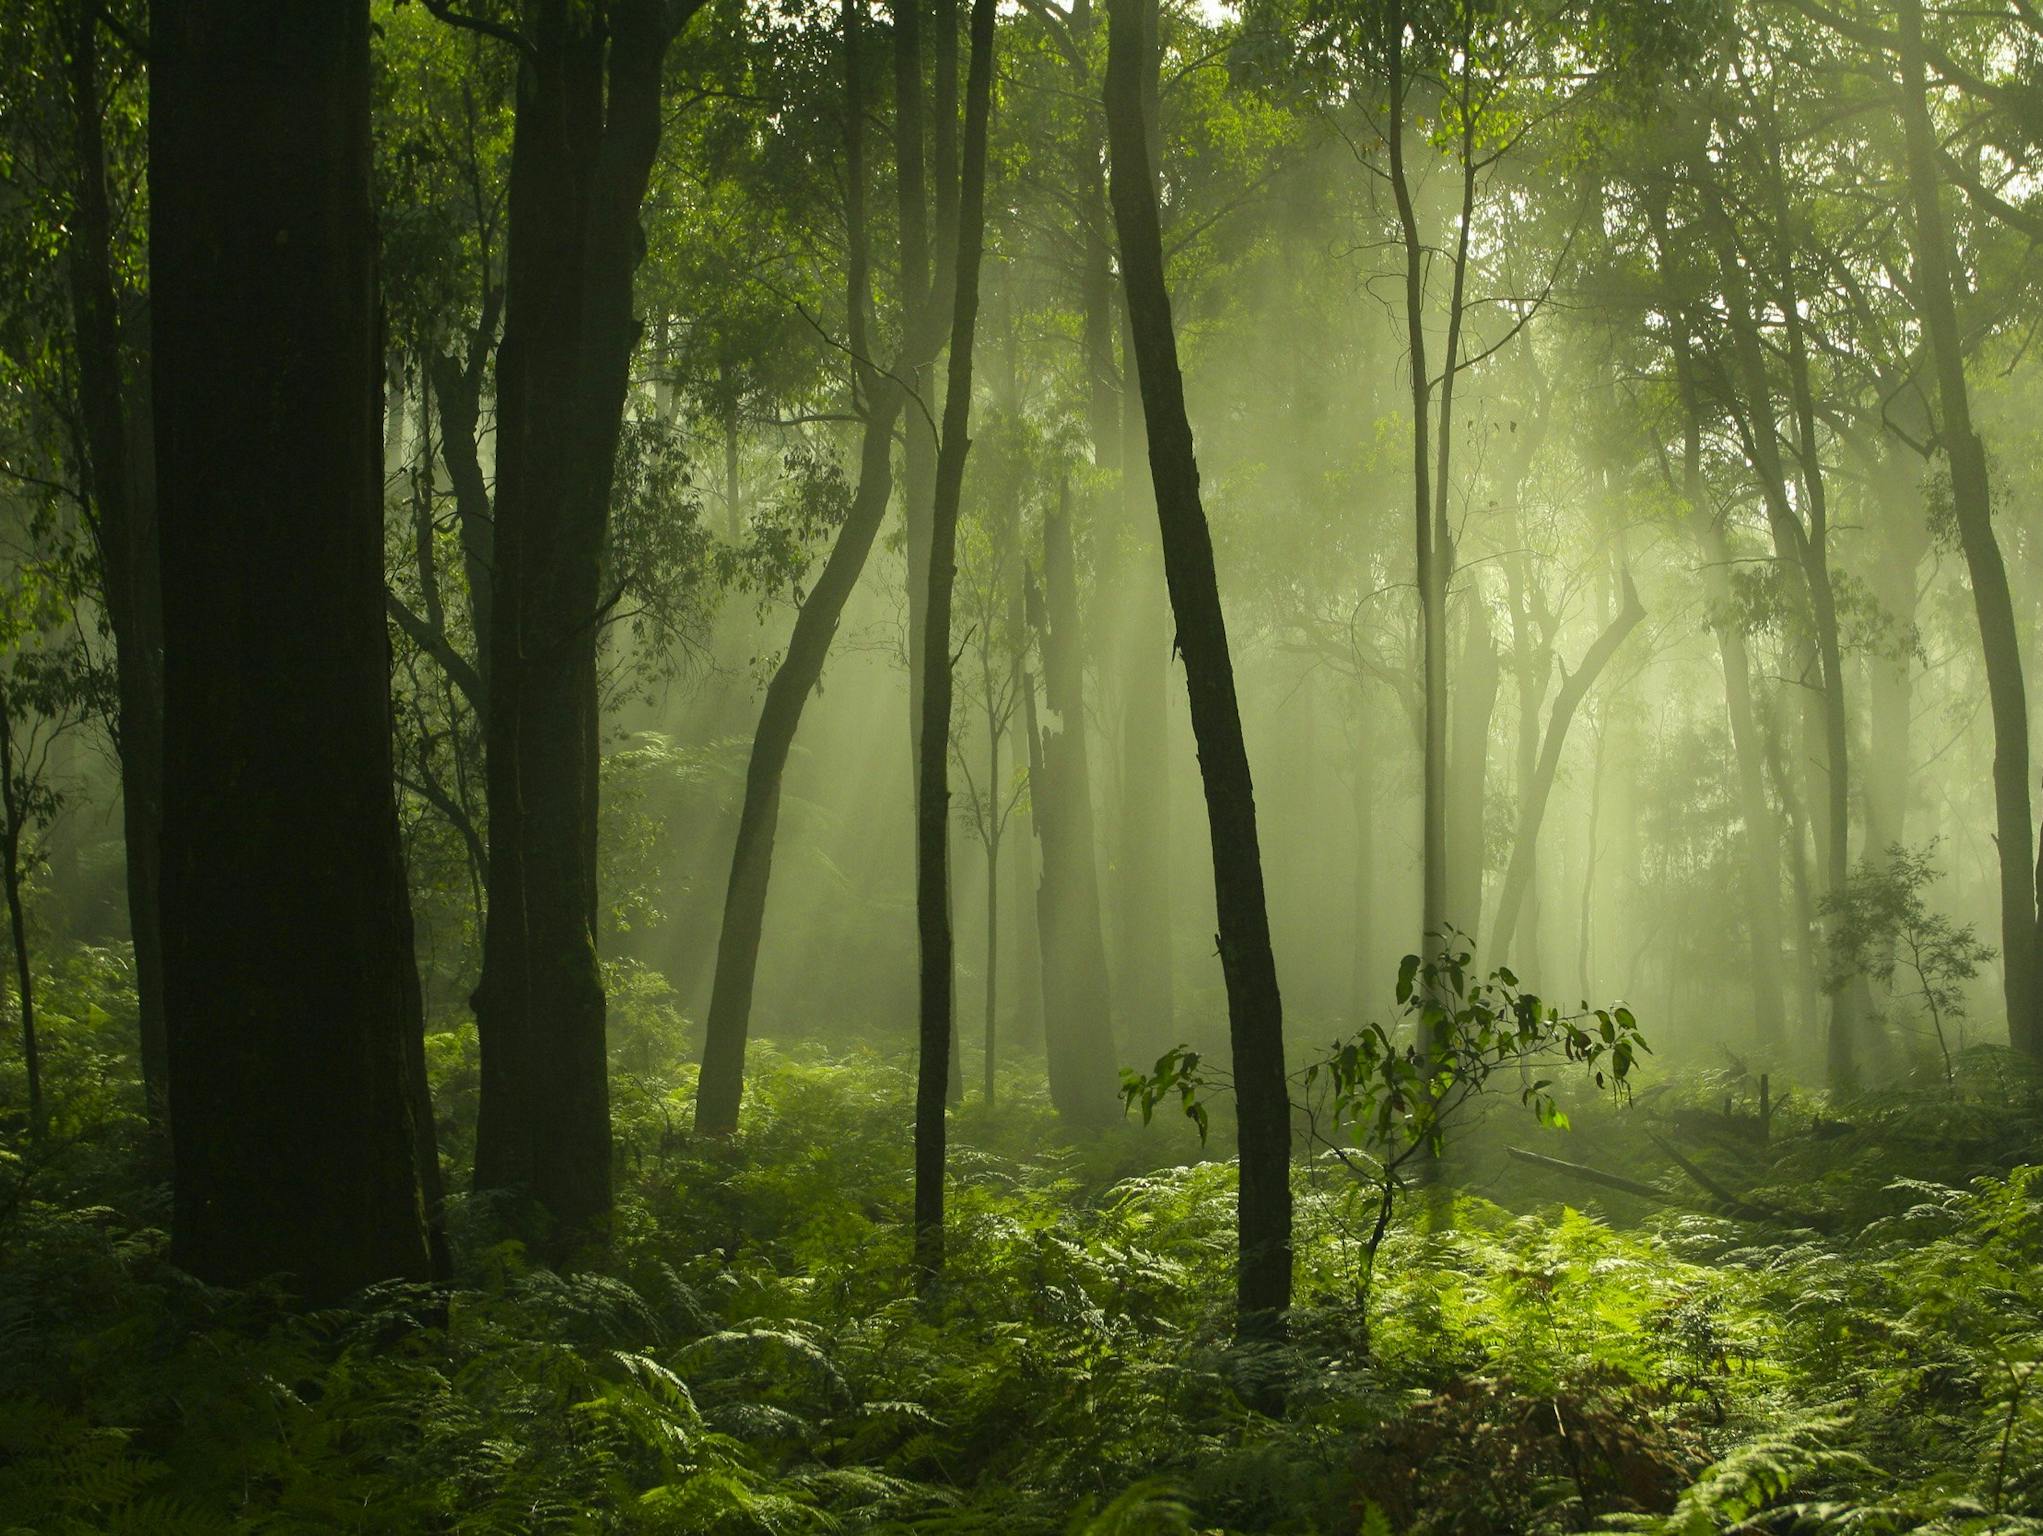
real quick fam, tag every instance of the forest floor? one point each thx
(1850, 1348)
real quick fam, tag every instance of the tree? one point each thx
(588, 129)
(880, 392)
(1972, 502)
(1883, 927)
(1254, 1006)
(290, 991)
(119, 493)
(1078, 1019)
(932, 787)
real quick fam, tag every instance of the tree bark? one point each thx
(588, 128)
(1255, 1007)
(289, 979)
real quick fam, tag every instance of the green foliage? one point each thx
(1381, 1100)
(1882, 929)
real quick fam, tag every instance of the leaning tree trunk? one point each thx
(1078, 1025)
(120, 492)
(587, 131)
(722, 1083)
(289, 979)
(1254, 1006)
(932, 801)
(1971, 501)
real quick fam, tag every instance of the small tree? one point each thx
(1381, 1105)
(1882, 929)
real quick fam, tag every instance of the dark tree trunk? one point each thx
(1142, 856)
(722, 1084)
(121, 494)
(1078, 1028)
(1255, 1008)
(289, 982)
(936, 1064)
(587, 131)
(1972, 502)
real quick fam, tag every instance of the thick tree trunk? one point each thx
(1255, 1008)
(1078, 1026)
(588, 128)
(1971, 501)
(121, 493)
(289, 980)
(938, 992)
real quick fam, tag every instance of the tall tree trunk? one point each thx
(1567, 699)
(1761, 863)
(289, 980)
(722, 1084)
(1972, 502)
(587, 131)
(121, 494)
(1254, 1006)
(1803, 550)
(1078, 1025)
(1146, 994)
(933, 799)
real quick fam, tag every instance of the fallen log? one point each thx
(1590, 1175)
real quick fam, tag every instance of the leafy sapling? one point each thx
(1884, 931)
(1381, 1101)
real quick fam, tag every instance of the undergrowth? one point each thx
(745, 1355)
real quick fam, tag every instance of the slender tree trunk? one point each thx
(1146, 995)
(121, 493)
(1803, 550)
(1255, 1008)
(1572, 691)
(588, 128)
(1972, 502)
(1078, 1025)
(290, 987)
(721, 1086)
(932, 809)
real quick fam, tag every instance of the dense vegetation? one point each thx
(909, 764)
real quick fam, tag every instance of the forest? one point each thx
(1090, 767)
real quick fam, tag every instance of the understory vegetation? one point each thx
(1832, 1328)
